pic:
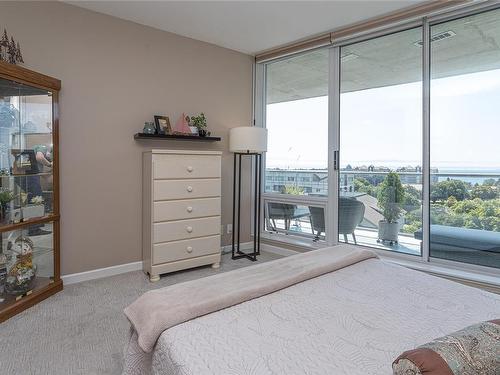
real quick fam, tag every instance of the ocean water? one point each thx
(471, 175)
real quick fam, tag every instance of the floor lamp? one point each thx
(247, 141)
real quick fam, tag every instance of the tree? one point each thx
(411, 199)
(293, 190)
(484, 191)
(444, 189)
(364, 186)
(490, 182)
(390, 197)
(451, 201)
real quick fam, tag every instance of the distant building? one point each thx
(315, 181)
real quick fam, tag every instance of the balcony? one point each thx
(464, 209)
(301, 227)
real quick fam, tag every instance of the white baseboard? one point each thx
(101, 272)
(137, 266)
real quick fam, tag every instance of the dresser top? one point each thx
(183, 152)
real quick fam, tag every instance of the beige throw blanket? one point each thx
(158, 310)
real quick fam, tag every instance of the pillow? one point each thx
(471, 351)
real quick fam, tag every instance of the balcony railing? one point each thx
(466, 201)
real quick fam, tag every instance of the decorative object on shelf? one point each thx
(247, 141)
(163, 125)
(149, 128)
(30, 126)
(390, 198)
(6, 196)
(200, 122)
(22, 274)
(24, 162)
(181, 126)
(35, 209)
(194, 130)
(10, 51)
(4, 171)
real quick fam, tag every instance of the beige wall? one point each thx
(116, 75)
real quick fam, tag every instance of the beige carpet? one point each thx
(82, 330)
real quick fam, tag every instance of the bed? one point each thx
(354, 320)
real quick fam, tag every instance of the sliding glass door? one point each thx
(296, 175)
(391, 142)
(465, 139)
(380, 177)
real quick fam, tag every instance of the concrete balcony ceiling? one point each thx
(470, 45)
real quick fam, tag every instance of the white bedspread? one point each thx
(352, 321)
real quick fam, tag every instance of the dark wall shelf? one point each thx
(176, 137)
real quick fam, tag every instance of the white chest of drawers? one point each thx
(180, 210)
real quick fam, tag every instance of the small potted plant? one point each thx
(200, 122)
(6, 196)
(390, 197)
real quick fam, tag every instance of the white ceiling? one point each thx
(246, 26)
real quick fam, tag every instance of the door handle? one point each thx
(336, 160)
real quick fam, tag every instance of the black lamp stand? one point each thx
(236, 252)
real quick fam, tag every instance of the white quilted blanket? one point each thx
(352, 321)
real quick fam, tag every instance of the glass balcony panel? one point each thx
(295, 219)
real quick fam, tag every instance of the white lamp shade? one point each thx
(248, 139)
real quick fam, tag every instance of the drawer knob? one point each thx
(190, 209)
(189, 229)
(190, 189)
(190, 169)
(189, 249)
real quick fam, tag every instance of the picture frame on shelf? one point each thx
(162, 124)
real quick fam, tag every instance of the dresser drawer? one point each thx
(186, 166)
(186, 189)
(184, 229)
(185, 209)
(178, 250)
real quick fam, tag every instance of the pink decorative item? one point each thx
(181, 126)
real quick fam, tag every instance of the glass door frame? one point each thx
(335, 128)
(424, 261)
(260, 115)
(332, 213)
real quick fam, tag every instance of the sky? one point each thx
(383, 126)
